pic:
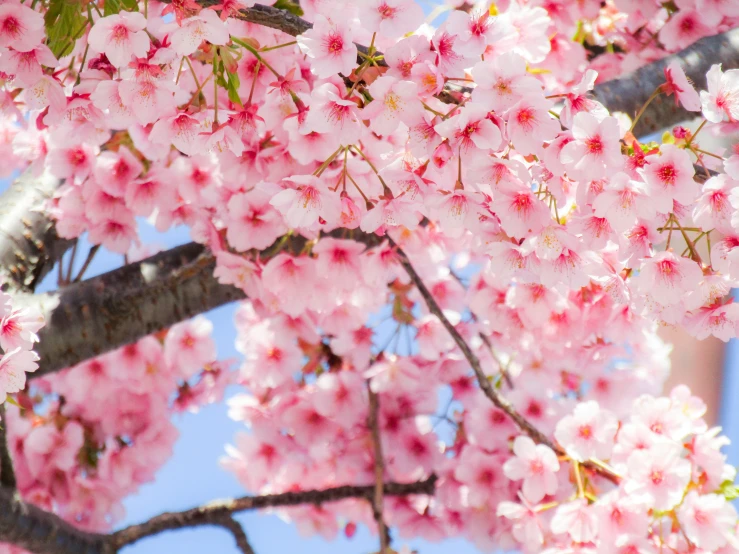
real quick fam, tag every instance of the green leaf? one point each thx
(13, 401)
(729, 490)
(65, 23)
(130, 5)
(111, 7)
(289, 6)
(233, 88)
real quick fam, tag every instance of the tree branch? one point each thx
(215, 512)
(242, 542)
(97, 315)
(7, 474)
(625, 94)
(485, 384)
(378, 496)
(29, 245)
(100, 314)
(629, 92)
(29, 527)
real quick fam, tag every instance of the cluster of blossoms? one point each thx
(18, 328)
(84, 439)
(551, 238)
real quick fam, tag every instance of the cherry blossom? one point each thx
(330, 47)
(120, 37)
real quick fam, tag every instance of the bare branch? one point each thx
(242, 542)
(29, 245)
(378, 497)
(629, 92)
(485, 384)
(215, 512)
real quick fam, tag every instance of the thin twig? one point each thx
(378, 498)
(90, 255)
(242, 542)
(7, 474)
(482, 379)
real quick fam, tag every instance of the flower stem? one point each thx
(654, 95)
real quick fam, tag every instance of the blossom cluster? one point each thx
(84, 439)
(18, 328)
(553, 240)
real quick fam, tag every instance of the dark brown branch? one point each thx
(215, 512)
(100, 314)
(29, 527)
(628, 93)
(242, 542)
(29, 245)
(497, 399)
(7, 474)
(378, 496)
(97, 315)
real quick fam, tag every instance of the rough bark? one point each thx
(29, 245)
(27, 526)
(628, 93)
(100, 314)
(92, 317)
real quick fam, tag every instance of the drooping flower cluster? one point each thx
(552, 239)
(84, 439)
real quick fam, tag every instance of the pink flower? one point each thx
(189, 346)
(391, 18)
(469, 129)
(659, 474)
(181, 130)
(25, 67)
(13, 366)
(577, 519)
(290, 279)
(114, 171)
(714, 207)
(502, 81)
(115, 231)
(669, 178)
(481, 474)
(678, 84)
(394, 102)
(475, 30)
(47, 448)
(46, 92)
(120, 37)
(596, 150)
(331, 114)
(588, 432)
(536, 465)
(21, 28)
(529, 125)
(73, 162)
(577, 100)
(339, 259)
(683, 29)
(206, 26)
(622, 202)
(310, 203)
(18, 329)
(526, 527)
(668, 277)
(708, 520)
(252, 221)
(721, 101)
(329, 46)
